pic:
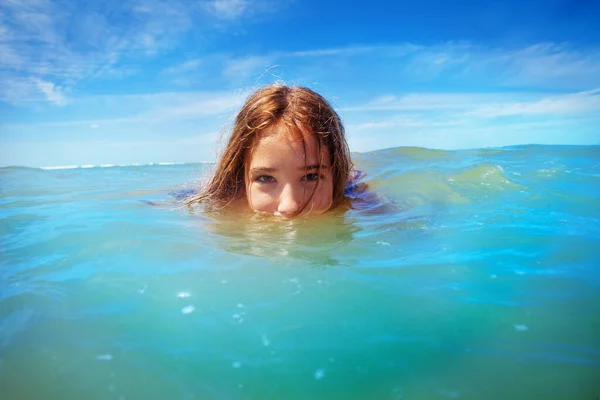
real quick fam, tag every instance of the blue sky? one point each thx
(143, 81)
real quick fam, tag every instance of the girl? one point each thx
(287, 156)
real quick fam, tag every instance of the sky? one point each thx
(124, 82)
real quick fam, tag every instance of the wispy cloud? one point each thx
(184, 67)
(17, 91)
(228, 9)
(52, 92)
(450, 106)
(543, 65)
(582, 103)
(246, 67)
(154, 108)
(463, 120)
(432, 101)
(64, 43)
(451, 65)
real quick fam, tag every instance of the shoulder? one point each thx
(355, 186)
(183, 194)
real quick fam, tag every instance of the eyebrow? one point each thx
(307, 168)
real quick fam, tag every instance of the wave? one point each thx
(160, 163)
(414, 153)
(88, 166)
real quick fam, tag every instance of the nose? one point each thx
(290, 201)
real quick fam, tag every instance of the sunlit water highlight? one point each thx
(475, 277)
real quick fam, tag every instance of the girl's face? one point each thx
(280, 176)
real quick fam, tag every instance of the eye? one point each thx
(311, 177)
(265, 179)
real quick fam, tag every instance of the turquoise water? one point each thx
(475, 276)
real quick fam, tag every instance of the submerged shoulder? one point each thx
(365, 200)
(355, 186)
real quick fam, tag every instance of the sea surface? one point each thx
(473, 274)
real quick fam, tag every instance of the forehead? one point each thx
(279, 145)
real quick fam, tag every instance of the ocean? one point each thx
(474, 275)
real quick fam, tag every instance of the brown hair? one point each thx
(305, 113)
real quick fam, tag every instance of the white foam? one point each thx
(61, 167)
(87, 166)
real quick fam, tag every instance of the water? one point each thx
(474, 277)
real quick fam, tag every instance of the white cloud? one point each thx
(228, 9)
(193, 107)
(53, 93)
(154, 108)
(432, 101)
(546, 65)
(247, 67)
(582, 103)
(17, 91)
(487, 105)
(65, 43)
(463, 120)
(184, 68)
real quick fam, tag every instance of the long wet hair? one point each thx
(304, 113)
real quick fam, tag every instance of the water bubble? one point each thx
(187, 309)
(183, 295)
(239, 318)
(265, 341)
(397, 391)
(521, 327)
(104, 357)
(319, 374)
(452, 394)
